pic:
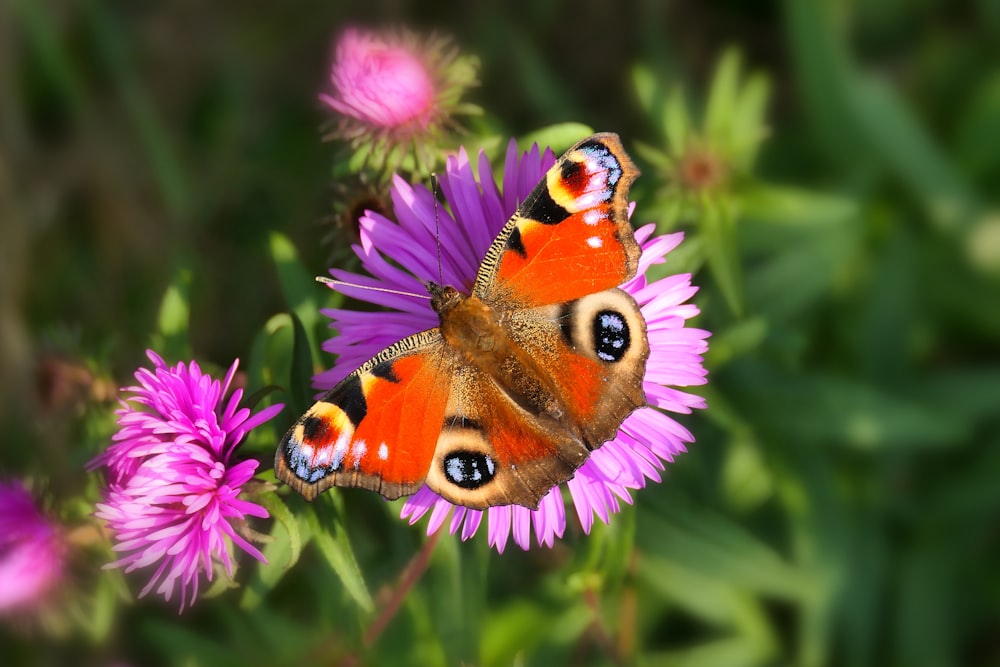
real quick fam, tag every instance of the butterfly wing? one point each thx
(571, 236)
(575, 374)
(493, 451)
(378, 428)
(598, 348)
(574, 366)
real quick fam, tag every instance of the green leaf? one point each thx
(677, 127)
(722, 99)
(302, 368)
(802, 273)
(793, 206)
(925, 629)
(42, 33)
(301, 292)
(289, 523)
(657, 158)
(456, 602)
(717, 226)
(647, 90)
(903, 142)
(334, 544)
(746, 478)
(717, 548)
(174, 316)
(523, 625)
(271, 352)
(96, 614)
(748, 124)
(282, 552)
(177, 644)
(729, 652)
(822, 408)
(822, 71)
(735, 341)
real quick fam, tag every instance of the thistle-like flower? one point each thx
(394, 93)
(32, 552)
(172, 500)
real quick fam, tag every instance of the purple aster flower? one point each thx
(31, 550)
(172, 499)
(478, 210)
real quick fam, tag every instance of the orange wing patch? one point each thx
(377, 429)
(571, 236)
(553, 264)
(396, 440)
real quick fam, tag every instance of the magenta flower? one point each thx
(478, 210)
(172, 499)
(394, 92)
(382, 84)
(32, 552)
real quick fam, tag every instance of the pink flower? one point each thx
(478, 210)
(379, 83)
(31, 550)
(393, 93)
(172, 499)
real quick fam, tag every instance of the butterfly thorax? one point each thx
(477, 334)
(467, 324)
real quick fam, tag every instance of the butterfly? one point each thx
(524, 377)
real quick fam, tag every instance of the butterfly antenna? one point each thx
(341, 283)
(435, 189)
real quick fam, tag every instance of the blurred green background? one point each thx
(841, 505)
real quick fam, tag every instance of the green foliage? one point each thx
(833, 165)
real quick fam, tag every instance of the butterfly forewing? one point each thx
(377, 429)
(571, 236)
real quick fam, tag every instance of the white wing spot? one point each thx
(383, 451)
(454, 468)
(587, 200)
(595, 242)
(592, 217)
(357, 451)
(340, 449)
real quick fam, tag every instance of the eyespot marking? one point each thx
(469, 470)
(611, 335)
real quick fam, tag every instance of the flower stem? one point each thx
(409, 577)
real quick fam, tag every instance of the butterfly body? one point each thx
(523, 378)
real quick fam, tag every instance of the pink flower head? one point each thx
(172, 499)
(478, 210)
(380, 83)
(394, 92)
(31, 550)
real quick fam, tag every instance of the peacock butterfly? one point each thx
(523, 378)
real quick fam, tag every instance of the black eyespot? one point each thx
(611, 335)
(469, 470)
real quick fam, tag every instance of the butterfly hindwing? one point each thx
(508, 438)
(598, 344)
(571, 236)
(376, 429)
(493, 450)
